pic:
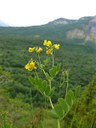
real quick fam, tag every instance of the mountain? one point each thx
(61, 21)
(3, 24)
(60, 29)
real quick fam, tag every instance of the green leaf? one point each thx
(77, 91)
(48, 76)
(31, 79)
(37, 83)
(46, 61)
(63, 104)
(54, 70)
(58, 109)
(44, 85)
(69, 100)
(41, 66)
(40, 85)
(71, 93)
(45, 88)
(47, 91)
(53, 114)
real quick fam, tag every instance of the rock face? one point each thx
(81, 34)
(86, 31)
(76, 33)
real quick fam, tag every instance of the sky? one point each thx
(39, 12)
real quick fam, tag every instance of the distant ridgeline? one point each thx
(60, 29)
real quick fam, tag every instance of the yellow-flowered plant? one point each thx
(47, 43)
(56, 46)
(50, 47)
(31, 65)
(39, 50)
(61, 109)
(49, 51)
(31, 49)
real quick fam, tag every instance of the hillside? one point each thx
(60, 29)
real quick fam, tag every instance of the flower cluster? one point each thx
(35, 49)
(50, 47)
(31, 65)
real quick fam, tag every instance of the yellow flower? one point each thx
(47, 43)
(30, 65)
(39, 50)
(31, 49)
(56, 46)
(49, 51)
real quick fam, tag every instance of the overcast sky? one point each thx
(38, 12)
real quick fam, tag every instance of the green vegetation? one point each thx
(21, 106)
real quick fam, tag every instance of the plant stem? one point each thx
(44, 72)
(51, 103)
(66, 86)
(50, 84)
(52, 60)
(67, 78)
(58, 123)
(39, 59)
